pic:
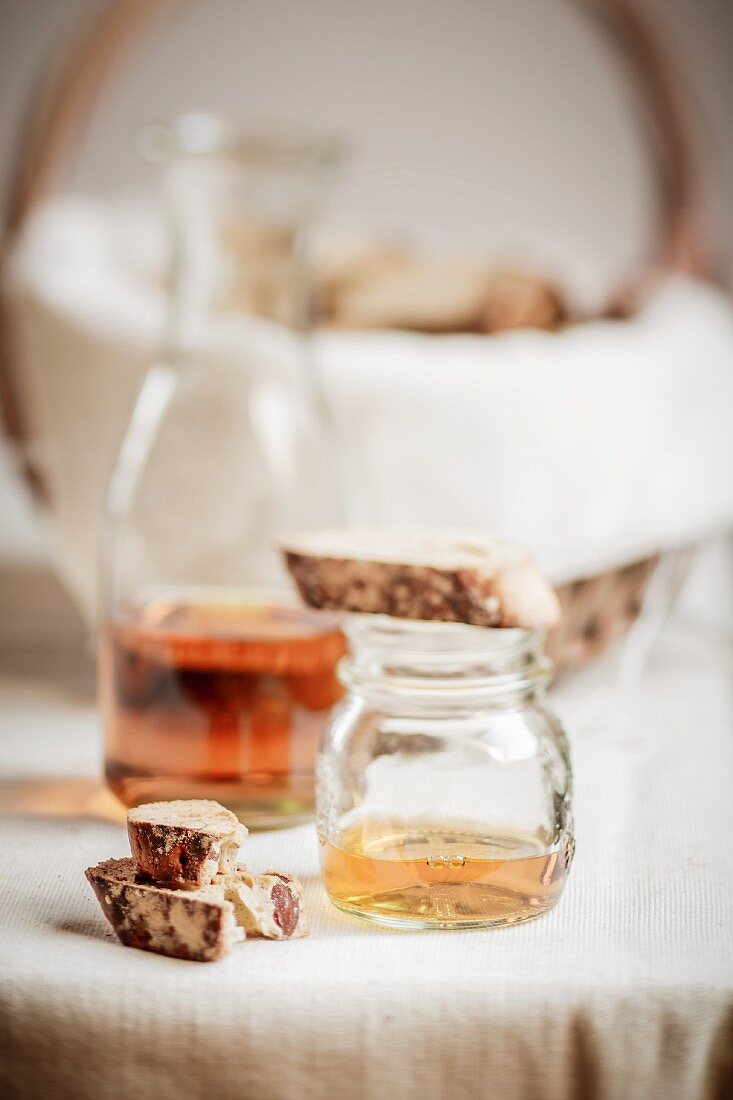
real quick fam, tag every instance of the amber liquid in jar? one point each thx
(223, 699)
(427, 875)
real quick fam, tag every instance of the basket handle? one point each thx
(60, 104)
(680, 242)
(67, 97)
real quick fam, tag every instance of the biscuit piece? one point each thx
(520, 299)
(184, 843)
(199, 925)
(269, 905)
(445, 577)
(419, 295)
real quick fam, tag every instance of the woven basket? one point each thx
(597, 609)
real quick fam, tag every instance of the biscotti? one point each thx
(521, 299)
(452, 577)
(184, 843)
(268, 905)
(419, 296)
(182, 894)
(199, 925)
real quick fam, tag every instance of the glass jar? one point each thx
(444, 782)
(212, 683)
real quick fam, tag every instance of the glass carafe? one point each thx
(444, 782)
(212, 683)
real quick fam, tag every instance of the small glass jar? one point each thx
(444, 782)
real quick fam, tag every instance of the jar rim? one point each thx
(450, 690)
(452, 662)
(432, 636)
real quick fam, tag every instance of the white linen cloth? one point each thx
(592, 446)
(624, 992)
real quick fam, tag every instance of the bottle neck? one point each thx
(448, 664)
(241, 209)
(230, 262)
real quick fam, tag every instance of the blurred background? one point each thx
(504, 133)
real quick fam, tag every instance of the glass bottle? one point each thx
(212, 683)
(444, 782)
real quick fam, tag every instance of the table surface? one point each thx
(625, 990)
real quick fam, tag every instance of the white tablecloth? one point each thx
(625, 991)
